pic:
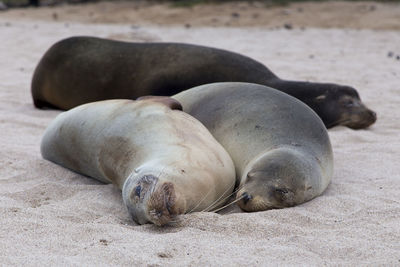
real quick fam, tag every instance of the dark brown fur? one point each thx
(79, 70)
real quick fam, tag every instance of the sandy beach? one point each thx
(54, 217)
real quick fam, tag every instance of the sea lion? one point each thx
(165, 162)
(79, 70)
(280, 147)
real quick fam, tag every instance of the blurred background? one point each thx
(274, 14)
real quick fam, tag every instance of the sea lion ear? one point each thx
(167, 101)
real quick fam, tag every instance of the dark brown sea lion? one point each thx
(79, 70)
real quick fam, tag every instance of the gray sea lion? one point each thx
(79, 70)
(165, 162)
(280, 147)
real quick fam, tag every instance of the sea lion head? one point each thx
(280, 178)
(148, 199)
(341, 105)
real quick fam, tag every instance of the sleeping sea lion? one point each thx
(165, 162)
(79, 70)
(280, 147)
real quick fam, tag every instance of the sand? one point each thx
(330, 14)
(51, 216)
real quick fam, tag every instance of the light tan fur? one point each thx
(164, 160)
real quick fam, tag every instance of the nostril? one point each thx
(246, 197)
(373, 114)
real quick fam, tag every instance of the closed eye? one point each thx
(138, 189)
(348, 103)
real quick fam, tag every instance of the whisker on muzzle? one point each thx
(227, 205)
(212, 205)
(198, 204)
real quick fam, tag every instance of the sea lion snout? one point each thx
(246, 197)
(266, 198)
(162, 204)
(360, 117)
(353, 112)
(367, 118)
(150, 200)
(373, 115)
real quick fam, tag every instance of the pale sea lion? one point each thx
(165, 162)
(280, 147)
(79, 70)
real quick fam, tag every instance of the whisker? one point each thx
(219, 199)
(177, 220)
(198, 204)
(236, 200)
(214, 204)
